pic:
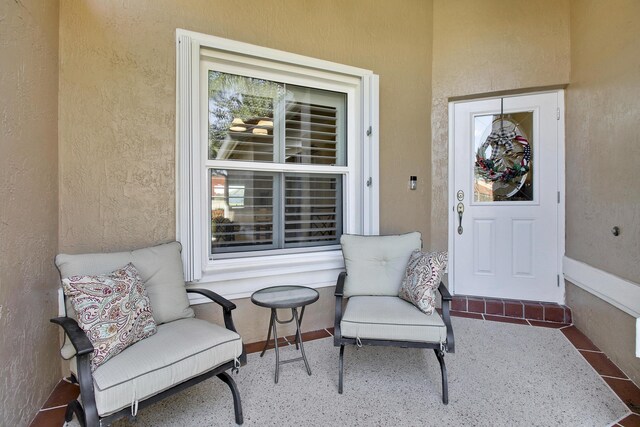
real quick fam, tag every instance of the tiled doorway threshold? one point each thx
(514, 311)
(52, 412)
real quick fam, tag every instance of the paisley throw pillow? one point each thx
(113, 310)
(421, 279)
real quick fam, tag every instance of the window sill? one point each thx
(241, 277)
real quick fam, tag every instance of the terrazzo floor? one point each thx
(501, 375)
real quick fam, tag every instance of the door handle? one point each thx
(460, 210)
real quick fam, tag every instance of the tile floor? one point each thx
(52, 412)
(529, 310)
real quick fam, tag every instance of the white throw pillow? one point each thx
(112, 309)
(421, 279)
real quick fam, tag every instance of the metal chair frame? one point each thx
(87, 412)
(440, 349)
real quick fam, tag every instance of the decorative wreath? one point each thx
(510, 155)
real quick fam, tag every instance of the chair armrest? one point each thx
(77, 336)
(219, 299)
(227, 306)
(84, 349)
(340, 284)
(446, 316)
(446, 296)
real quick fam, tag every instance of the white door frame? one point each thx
(451, 202)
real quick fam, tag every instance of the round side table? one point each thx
(286, 296)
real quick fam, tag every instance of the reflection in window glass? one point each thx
(263, 121)
(241, 111)
(256, 121)
(312, 209)
(242, 210)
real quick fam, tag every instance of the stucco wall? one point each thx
(29, 362)
(612, 330)
(602, 151)
(602, 136)
(117, 106)
(489, 46)
(117, 102)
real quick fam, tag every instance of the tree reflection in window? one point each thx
(241, 112)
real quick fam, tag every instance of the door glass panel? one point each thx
(503, 166)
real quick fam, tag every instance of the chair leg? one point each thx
(88, 411)
(443, 369)
(340, 370)
(74, 407)
(237, 404)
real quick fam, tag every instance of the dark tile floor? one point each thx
(52, 412)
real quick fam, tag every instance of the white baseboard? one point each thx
(622, 294)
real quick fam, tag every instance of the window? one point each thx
(277, 158)
(269, 124)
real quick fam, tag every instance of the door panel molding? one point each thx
(522, 244)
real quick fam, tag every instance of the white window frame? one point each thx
(239, 276)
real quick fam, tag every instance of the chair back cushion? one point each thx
(376, 264)
(160, 268)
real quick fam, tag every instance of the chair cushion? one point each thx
(159, 266)
(179, 351)
(113, 309)
(390, 318)
(375, 264)
(421, 279)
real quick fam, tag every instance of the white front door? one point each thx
(506, 201)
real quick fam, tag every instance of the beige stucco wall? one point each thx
(602, 152)
(602, 136)
(117, 106)
(117, 102)
(488, 46)
(29, 363)
(612, 330)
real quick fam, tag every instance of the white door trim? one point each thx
(561, 184)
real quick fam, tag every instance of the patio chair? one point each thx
(183, 352)
(374, 314)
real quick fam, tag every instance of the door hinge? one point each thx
(369, 182)
(558, 197)
(558, 114)
(369, 131)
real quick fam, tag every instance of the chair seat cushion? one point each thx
(390, 318)
(179, 351)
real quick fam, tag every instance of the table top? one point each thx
(286, 296)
